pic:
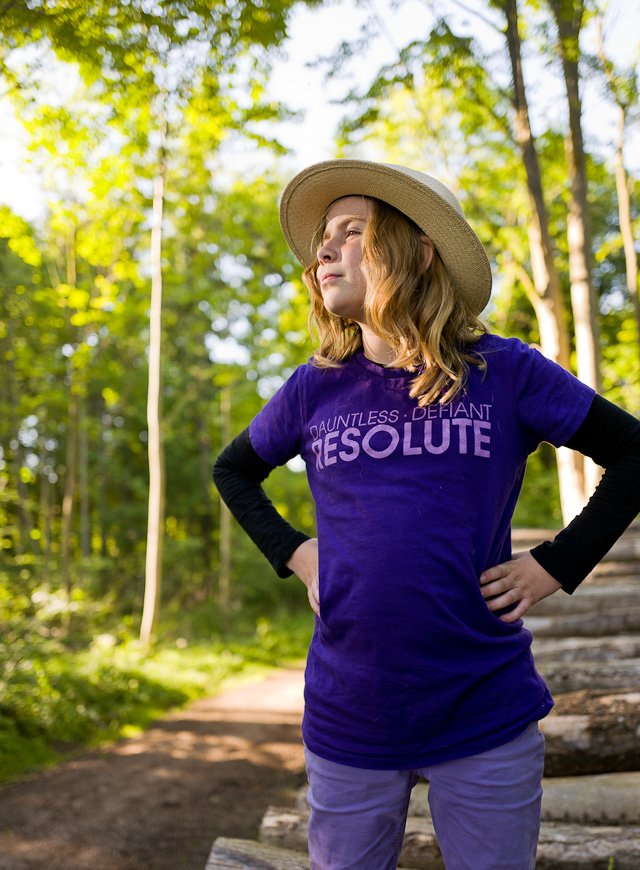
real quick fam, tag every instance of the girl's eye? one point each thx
(352, 231)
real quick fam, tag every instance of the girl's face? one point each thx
(339, 276)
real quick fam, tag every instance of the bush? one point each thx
(53, 699)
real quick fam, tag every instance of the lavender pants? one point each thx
(485, 809)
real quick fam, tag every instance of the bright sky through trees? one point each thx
(301, 83)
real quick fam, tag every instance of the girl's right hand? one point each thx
(304, 563)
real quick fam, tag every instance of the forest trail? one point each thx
(158, 801)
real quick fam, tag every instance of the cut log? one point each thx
(420, 847)
(611, 573)
(590, 600)
(603, 799)
(589, 733)
(618, 620)
(286, 828)
(229, 854)
(597, 649)
(574, 676)
(577, 847)
(606, 799)
(561, 846)
(626, 549)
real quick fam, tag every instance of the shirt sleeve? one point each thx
(238, 474)
(611, 437)
(550, 402)
(277, 431)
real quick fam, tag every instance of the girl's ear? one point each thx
(429, 251)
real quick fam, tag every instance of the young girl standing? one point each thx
(415, 425)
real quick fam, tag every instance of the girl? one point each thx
(415, 425)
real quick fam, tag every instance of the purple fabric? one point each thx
(407, 665)
(485, 810)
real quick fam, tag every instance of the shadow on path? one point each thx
(158, 801)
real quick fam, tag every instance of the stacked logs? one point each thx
(587, 647)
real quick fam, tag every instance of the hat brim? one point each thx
(307, 196)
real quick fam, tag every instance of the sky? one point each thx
(304, 87)
(317, 32)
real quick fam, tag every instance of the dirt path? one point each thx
(158, 801)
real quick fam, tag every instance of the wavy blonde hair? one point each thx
(415, 311)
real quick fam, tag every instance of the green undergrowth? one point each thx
(54, 701)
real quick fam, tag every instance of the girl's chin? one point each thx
(346, 315)
(345, 311)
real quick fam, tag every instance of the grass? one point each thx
(54, 701)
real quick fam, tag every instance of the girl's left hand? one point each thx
(521, 581)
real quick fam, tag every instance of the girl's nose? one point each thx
(326, 252)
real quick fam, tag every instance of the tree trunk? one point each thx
(24, 540)
(72, 435)
(568, 17)
(103, 464)
(624, 211)
(224, 577)
(153, 568)
(83, 486)
(206, 522)
(45, 516)
(547, 296)
(69, 488)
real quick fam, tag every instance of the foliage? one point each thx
(54, 700)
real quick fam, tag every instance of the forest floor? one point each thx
(159, 800)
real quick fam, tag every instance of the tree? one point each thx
(623, 86)
(568, 16)
(150, 64)
(553, 334)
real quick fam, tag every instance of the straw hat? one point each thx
(420, 197)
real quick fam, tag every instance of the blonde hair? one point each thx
(415, 311)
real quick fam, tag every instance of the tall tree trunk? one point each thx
(568, 15)
(24, 518)
(45, 516)
(153, 567)
(547, 300)
(206, 522)
(69, 488)
(103, 457)
(224, 577)
(553, 331)
(83, 486)
(72, 436)
(623, 101)
(624, 211)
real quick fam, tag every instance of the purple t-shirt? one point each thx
(407, 665)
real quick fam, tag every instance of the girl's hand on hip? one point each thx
(304, 563)
(521, 581)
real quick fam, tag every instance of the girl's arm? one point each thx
(611, 437)
(238, 473)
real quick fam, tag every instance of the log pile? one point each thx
(587, 647)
